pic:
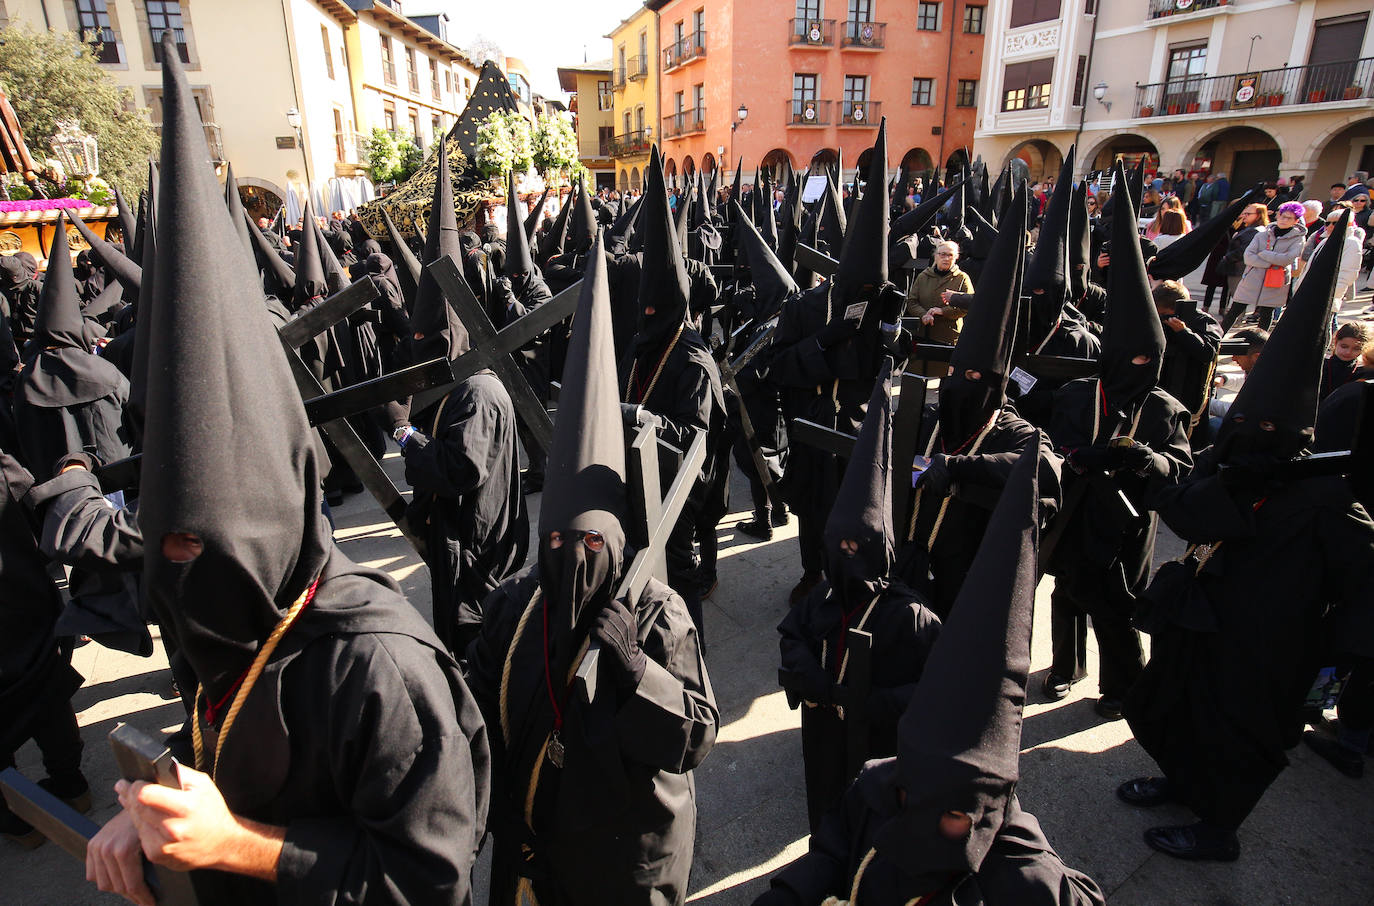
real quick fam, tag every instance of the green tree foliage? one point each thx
(50, 78)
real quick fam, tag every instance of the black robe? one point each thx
(903, 630)
(759, 397)
(1070, 339)
(1021, 868)
(617, 823)
(938, 569)
(1190, 358)
(34, 676)
(1286, 593)
(69, 401)
(467, 495)
(362, 740)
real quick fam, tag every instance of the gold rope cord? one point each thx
(944, 504)
(659, 371)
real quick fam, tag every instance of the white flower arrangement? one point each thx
(504, 144)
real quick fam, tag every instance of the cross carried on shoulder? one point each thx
(728, 372)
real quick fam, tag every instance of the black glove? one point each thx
(502, 293)
(836, 332)
(1096, 458)
(817, 687)
(891, 303)
(398, 413)
(618, 631)
(1134, 458)
(936, 479)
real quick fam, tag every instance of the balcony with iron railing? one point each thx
(604, 147)
(811, 33)
(1290, 89)
(863, 35)
(1173, 9)
(638, 68)
(861, 113)
(389, 73)
(629, 144)
(679, 53)
(685, 122)
(413, 80)
(807, 112)
(434, 87)
(620, 78)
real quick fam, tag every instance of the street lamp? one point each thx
(742, 114)
(1100, 92)
(293, 119)
(78, 150)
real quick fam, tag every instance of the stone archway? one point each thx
(689, 167)
(1245, 154)
(624, 180)
(635, 182)
(1337, 153)
(1042, 158)
(260, 197)
(824, 159)
(670, 173)
(708, 164)
(776, 163)
(1130, 146)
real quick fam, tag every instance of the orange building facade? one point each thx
(813, 78)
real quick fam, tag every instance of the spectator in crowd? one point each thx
(1172, 204)
(1357, 185)
(1348, 273)
(1254, 339)
(929, 299)
(1273, 197)
(1247, 224)
(1334, 195)
(1346, 350)
(1221, 194)
(1149, 206)
(1269, 258)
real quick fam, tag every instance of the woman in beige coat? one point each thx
(929, 299)
(1275, 246)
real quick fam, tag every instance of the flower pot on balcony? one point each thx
(1190, 107)
(1174, 109)
(1275, 100)
(1147, 110)
(1218, 105)
(1351, 93)
(1316, 96)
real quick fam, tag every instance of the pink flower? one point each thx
(43, 204)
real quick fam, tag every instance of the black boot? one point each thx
(1195, 842)
(760, 527)
(780, 515)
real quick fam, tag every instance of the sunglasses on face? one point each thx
(592, 541)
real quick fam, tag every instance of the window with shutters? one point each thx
(922, 92)
(966, 93)
(1026, 86)
(1029, 12)
(388, 66)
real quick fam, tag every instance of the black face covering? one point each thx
(663, 282)
(1133, 327)
(965, 406)
(576, 581)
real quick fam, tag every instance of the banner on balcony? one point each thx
(1246, 91)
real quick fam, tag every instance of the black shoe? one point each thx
(803, 588)
(780, 515)
(74, 791)
(1146, 792)
(1347, 761)
(759, 527)
(1108, 708)
(16, 829)
(334, 499)
(1057, 687)
(531, 485)
(1196, 842)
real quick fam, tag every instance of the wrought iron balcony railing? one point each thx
(864, 35)
(811, 33)
(679, 53)
(861, 113)
(1251, 91)
(807, 112)
(629, 144)
(1163, 9)
(684, 122)
(638, 68)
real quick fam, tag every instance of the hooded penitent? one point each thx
(1133, 327)
(1275, 410)
(584, 481)
(863, 508)
(581, 224)
(558, 233)
(531, 224)
(145, 312)
(436, 329)
(235, 205)
(919, 217)
(663, 284)
(959, 741)
(772, 282)
(219, 395)
(518, 261)
(408, 271)
(281, 277)
(988, 336)
(1188, 252)
(128, 226)
(863, 260)
(763, 211)
(115, 261)
(831, 226)
(63, 371)
(1080, 241)
(310, 276)
(1047, 272)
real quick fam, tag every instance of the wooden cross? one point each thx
(728, 373)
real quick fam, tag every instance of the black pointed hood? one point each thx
(436, 330)
(584, 480)
(617, 238)
(145, 311)
(532, 221)
(1080, 241)
(663, 281)
(763, 212)
(309, 263)
(236, 212)
(59, 321)
(220, 395)
(280, 275)
(736, 187)
(1282, 387)
(988, 338)
(553, 242)
(863, 508)
(682, 220)
(136, 247)
(128, 225)
(916, 220)
(772, 281)
(1048, 269)
(863, 260)
(408, 266)
(831, 224)
(335, 277)
(582, 223)
(125, 271)
(518, 260)
(1133, 327)
(1188, 252)
(959, 741)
